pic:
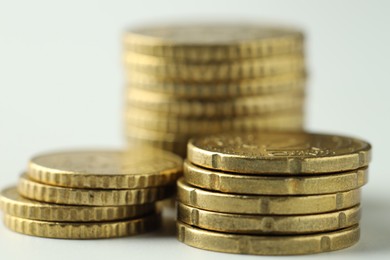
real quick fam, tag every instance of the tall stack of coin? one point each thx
(185, 81)
(272, 193)
(91, 194)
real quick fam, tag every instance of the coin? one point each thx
(89, 230)
(177, 147)
(214, 42)
(289, 82)
(268, 245)
(237, 106)
(279, 153)
(288, 121)
(242, 69)
(268, 224)
(274, 185)
(138, 167)
(15, 205)
(90, 197)
(265, 204)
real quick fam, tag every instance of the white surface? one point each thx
(61, 83)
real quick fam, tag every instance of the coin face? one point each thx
(112, 169)
(218, 34)
(257, 152)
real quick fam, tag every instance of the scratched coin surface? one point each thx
(138, 167)
(274, 185)
(267, 245)
(91, 197)
(279, 153)
(265, 204)
(213, 42)
(12, 203)
(268, 224)
(88, 230)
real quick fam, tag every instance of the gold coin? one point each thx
(268, 245)
(89, 230)
(90, 197)
(213, 42)
(237, 106)
(263, 224)
(274, 185)
(279, 153)
(292, 121)
(243, 69)
(293, 82)
(15, 205)
(177, 147)
(138, 167)
(265, 204)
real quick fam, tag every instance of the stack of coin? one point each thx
(91, 194)
(191, 80)
(272, 193)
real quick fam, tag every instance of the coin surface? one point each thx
(237, 106)
(89, 230)
(287, 121)
(138, 167)
(266, 224)
(279, 153)
(265, 204)
(213, 42)
(274, 185)
(236, 70)
(268, 245)
(15, 205)
(289, 82)
(90, 197)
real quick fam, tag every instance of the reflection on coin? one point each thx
(268, 245)
(279, 153)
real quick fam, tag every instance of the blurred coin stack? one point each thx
(272, 193)
(91, 194)
(185, 81)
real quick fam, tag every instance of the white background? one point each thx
(61, 83)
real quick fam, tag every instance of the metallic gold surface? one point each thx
(237, 106)
(288, 121)
(138, 167)
(268, 245)
(263, 224)
(289, 82)
(265, 204)
(15, 205)
(242, 69)
(279, 153)
(90, 197)
(91, 230)
(274, 185)
(217, 42)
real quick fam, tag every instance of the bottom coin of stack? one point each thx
(91, 194)
(272, 193)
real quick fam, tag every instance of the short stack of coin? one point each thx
(272, 193)
(191, 80)
(91, 194)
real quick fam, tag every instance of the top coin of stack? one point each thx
(189, 80)
(272, 193)
(91, 194)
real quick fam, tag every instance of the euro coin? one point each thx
(268, 245)
(279, 153)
